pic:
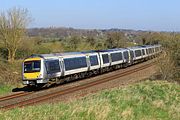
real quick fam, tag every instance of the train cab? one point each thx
(32, 70)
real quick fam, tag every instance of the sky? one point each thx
(155, 15)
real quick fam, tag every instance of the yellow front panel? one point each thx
(34, 75)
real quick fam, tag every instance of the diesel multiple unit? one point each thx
(40, 69)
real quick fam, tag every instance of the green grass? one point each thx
(148, 100)
(4, 89)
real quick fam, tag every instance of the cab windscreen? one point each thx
(32, 66)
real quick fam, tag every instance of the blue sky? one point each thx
(157, 15)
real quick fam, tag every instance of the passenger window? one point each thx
(52, 66)
(138, 53)
(105, 58)
(125, 55)
(75, 63)
(116, 56)
(93, 60)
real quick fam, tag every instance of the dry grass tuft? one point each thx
(127, 113)
(158, 103)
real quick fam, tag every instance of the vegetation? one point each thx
(116, 40)
(12, 29)
(169, 61)
(147, 100)
(4, 89)
(10, 76)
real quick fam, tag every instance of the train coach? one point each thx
(44, 69)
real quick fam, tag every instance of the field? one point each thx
(146, 100)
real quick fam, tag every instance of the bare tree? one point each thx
(13, 29)
(116, 39)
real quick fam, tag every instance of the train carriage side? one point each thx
(116, 57)
(126, 57)
(53, 67)
(75, 64)
(72, 66)
(94, 63)
(144, 54)
(157, 49)
(105, 59)
(138, 54)
(150, 52)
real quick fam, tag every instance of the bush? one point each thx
(169, 62)
(3, 53)
(166, 66)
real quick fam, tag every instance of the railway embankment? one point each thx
(144, 100)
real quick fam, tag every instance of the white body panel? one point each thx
(117, 62)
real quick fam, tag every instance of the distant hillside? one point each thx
(64, 32)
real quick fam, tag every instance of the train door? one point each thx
(62, 65)
(88, 61)
(131, 56)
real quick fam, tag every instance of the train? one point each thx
(45, 69)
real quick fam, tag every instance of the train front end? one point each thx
(32, 72)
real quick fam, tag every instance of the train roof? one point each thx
(143, 46)
(61, 54)
(111, 50)
(88, 52)
(56, 54)
(74, 53)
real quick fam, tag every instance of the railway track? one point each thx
(20, 94)
(52, 95)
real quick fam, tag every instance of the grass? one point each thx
(148, 100)
(4, 89)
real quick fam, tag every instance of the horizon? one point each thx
(54, 27)
(162, 15)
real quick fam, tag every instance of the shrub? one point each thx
(169, 62)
